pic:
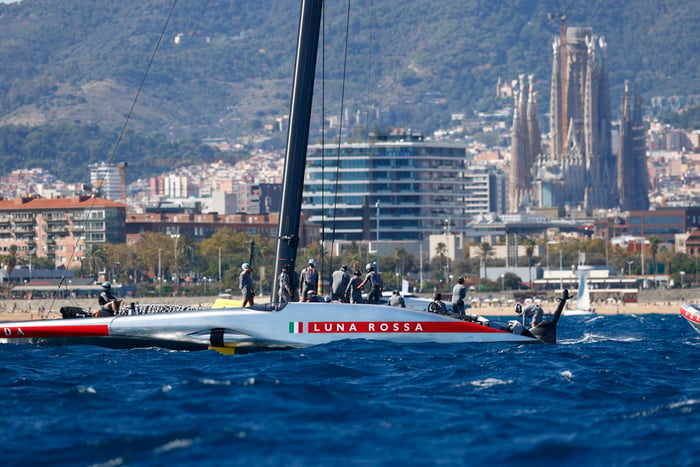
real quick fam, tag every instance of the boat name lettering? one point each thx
(9, 332)
(362, 326)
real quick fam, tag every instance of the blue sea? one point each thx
(616, 390)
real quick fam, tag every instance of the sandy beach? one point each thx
(19, 310)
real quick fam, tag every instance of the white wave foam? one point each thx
(591, 338)
(175, 444)
(489, 382)
(685, 406)
(567, 375)
(215, 382)
(111, 463)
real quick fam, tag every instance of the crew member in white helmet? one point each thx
(531, 310)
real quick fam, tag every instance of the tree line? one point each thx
(160, 263)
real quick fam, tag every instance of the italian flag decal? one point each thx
(296, 327)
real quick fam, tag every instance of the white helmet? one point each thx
(312, 262)
(245, 266)
(369, 267)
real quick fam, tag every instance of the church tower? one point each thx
(580, 170)
(632, 175)
(525, 144)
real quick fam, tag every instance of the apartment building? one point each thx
(62, 229)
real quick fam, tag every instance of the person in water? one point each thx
(245, 282)
(109, 304)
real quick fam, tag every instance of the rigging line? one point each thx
(187, 47)
(340, 125)
(116, 145)
(369, 66)
(143, 81)
(323, 142)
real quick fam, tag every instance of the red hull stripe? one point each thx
(396, 327)
(690, 316)
(54, 331)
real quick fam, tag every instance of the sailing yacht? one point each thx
(276, 325)
(583, 298)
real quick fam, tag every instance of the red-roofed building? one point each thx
(62, 228)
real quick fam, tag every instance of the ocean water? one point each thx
(616, 390)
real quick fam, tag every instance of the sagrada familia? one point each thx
(580, 168)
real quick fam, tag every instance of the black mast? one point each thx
(297, 138)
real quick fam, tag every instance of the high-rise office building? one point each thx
(398, 187)
(485, 187)
(109, 180)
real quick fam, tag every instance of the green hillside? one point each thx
(415, 62)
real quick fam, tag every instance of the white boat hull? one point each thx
(691, 313)
(296, 325)
(577, 312)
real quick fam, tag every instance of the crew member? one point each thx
(294, 284)
(286, 291)
(308, 279)
(531, 310)
(245, 281)
(340, 280)
(397, 300)
(459, 293)
(437, 305)
(374, 279)
(109, 304)
(353, 291)
(312, 296)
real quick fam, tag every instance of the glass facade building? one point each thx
(403, 189)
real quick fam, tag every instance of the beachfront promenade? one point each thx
(650, 301)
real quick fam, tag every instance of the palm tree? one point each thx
(441, 251)
(654, 250)
(485, 252)
(95, 257)
(133, 268)
(10, 262)
(529, 252)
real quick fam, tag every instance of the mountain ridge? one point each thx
(83, 61)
